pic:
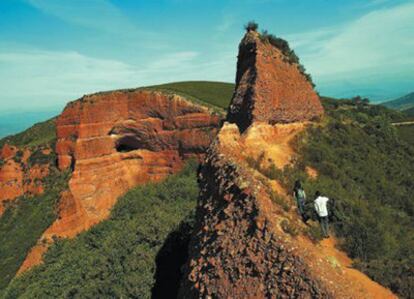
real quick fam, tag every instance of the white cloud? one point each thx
(44, 78)
(379, 44)
(98, 14)
(37, 78)
(49, 78)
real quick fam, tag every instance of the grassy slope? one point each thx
(39, 134)
(213, 93)
(118, 257)
(369, 170)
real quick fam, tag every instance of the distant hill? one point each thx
(402, 103)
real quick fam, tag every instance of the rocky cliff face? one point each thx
(238, 249)
(269, 87)
(20, 173)
(114, 141)
(249, 241)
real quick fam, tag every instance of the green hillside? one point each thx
(213, 93)
(365, 165)
(134, 254)
(402, 103)
(24, 221)
(39, 134)
(409, 113)
(407, 133)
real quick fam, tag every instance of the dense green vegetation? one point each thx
(135, 253)
(24, 221)
(39, 134)
(406, 132)
(409, 113)
(213, 93)
(368, 170)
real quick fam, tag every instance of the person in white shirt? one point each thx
(322, 211)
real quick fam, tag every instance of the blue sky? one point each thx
(53, 51)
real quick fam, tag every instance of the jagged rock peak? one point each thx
(271, 85)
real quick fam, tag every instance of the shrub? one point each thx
(288, 53)
(273, 173)
(18, 156)
(289, 228)
(255, 163)
(276, 198)
(281, 44)
(314, 232)
(251, 26)
(38, 157)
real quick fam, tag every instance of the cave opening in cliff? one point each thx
(127, 144)
(169, 261)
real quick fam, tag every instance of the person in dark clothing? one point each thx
(300, 196)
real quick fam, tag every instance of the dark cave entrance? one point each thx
(127, 144)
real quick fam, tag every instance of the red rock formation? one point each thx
(8, 152)
(269, 88)
(16, 177)
(235, 251)
(243, 244)
(11, 181)
(117, 140)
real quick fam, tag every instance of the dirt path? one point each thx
(373, 290)
(404, 123)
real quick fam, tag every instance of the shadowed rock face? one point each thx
(269, 88)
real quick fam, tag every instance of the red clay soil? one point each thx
(115, 141)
